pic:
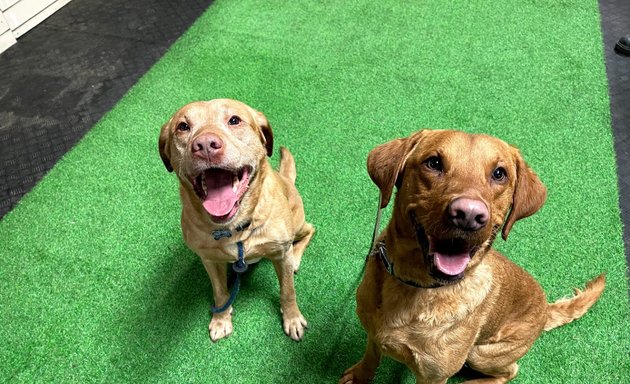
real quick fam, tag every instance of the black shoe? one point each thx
(623, 45)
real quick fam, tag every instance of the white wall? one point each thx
(18, 16)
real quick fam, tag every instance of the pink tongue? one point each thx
(220, 198)
(451, 265)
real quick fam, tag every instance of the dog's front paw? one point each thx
(220, 327)
(294, 326)
(355, 375)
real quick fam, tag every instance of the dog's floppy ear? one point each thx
(164, 146)
(385, 163)
(529, 195)
(266, 134)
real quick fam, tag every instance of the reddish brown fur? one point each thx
(492, 316)
(271, 204)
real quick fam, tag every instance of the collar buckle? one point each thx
(382, 254)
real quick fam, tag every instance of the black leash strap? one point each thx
(239, 267)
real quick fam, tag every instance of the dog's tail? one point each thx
(566, 310)
(287, 164)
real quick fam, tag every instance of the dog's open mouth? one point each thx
(221, 190)
(450, 257)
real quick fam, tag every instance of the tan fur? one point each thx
(287, 165)
(564, 311)
(278, 230)
(489, 318)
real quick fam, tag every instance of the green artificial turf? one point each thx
(96, 284)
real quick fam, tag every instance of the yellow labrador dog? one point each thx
(435, 295)
(235, 207)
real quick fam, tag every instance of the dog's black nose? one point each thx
(207, 146)
(468, 214)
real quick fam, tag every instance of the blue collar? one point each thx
(227, 233)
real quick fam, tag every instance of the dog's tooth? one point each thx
(235, 183)
(203, 183)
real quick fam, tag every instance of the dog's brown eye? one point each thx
(234, 120)
(183, 127)
(434, 163)
(499, 174)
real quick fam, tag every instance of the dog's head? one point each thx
(216, 148)
(456, 190)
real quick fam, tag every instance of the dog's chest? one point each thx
(420, 319)
(418, 335)
(226, 249)
(253, 250)
(408, 324)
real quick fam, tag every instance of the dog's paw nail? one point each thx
(294, 327)
(220, 329)
(346, 379)
(355, 375)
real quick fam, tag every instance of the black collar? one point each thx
(226, 232)
(381, 252)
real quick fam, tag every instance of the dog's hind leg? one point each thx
(302, 238)
(500, 376)
(497, 360)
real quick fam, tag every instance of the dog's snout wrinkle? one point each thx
(207, 146)
(468, 214)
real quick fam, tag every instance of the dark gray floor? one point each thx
(62, 76)
(616, 23)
